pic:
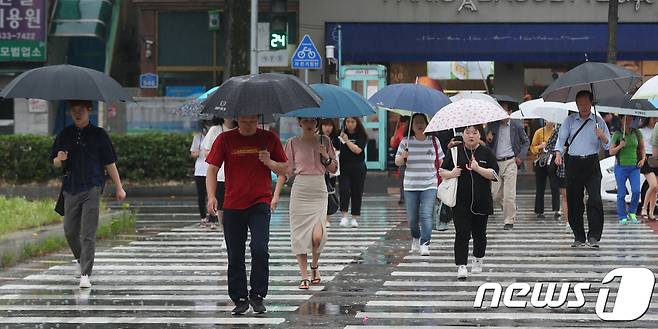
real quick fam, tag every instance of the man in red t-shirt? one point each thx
(249, 155)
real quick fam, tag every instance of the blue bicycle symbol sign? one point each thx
(306, 56)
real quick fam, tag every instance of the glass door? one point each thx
(366, 80)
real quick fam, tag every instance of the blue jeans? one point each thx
(623, 173)
(420, 205)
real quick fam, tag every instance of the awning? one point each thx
(82, 18)
(387, 42)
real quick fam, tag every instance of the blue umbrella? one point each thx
(337, 102)
(407, 98)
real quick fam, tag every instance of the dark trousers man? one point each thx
(80, 224)
(541, 174)
(584, 173)
(256, 219)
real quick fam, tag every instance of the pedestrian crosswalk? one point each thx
(175, 274)
(423, 291)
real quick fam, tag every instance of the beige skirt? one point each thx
(308, 207)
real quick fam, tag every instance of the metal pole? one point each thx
(306, 76)
(340, 53)
(254, 35)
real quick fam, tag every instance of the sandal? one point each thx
(204, 222)
(213, 227)
(304, 284)
(316, 275)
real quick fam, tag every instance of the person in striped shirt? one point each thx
(421, 154)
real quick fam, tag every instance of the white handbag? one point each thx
(447, 191)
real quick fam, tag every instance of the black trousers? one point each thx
(256, 220)
(584, 174)
(403, 169)
(201, 192)
(541, 174)
(469, 225)
(352, 180)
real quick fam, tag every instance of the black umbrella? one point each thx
(65, 82)
(602, 79)
(260, 94)
(625, 102)
(504, 98)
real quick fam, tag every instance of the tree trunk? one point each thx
(613, 18)
(236, 50)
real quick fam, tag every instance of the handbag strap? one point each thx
(577, 132)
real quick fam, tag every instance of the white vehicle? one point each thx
(608, 182)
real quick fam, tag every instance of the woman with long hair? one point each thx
(649, 203)
(310, 156)
(421, 154)
(353, 141)
(219, 127)
(476, 168)
(329, 128)
(200, 170)
(628, 148)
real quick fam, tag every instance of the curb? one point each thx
(12, 245)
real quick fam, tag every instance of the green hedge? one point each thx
(152, 157)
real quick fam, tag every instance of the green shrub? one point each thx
(25, 159)
(143, 158)
(154, 157)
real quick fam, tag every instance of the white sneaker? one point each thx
(415, 245)
(344, 222)
(353, 223)
(78, 269)
(462, 272)
(476, 267)
(84, 282)
(424, 249)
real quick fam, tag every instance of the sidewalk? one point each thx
(13, 245)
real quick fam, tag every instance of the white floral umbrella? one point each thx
(466, 112)
(648, 90)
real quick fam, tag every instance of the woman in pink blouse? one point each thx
(310, 156)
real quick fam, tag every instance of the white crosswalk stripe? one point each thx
(178, 276)
(423, 292)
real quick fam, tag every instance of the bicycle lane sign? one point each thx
(306, 56)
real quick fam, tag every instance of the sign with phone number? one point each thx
(22, 30)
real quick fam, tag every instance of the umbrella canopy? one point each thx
(505, 98)
(602, 79)
(408, 98)
(549, 111)
(260, 94)
(648, 90)
(625, 101)
(623, 104)
(337, 102)
(193, 109)
(478, 96)
(466, 112)
(65, 82)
